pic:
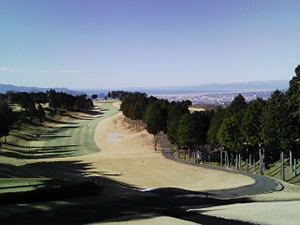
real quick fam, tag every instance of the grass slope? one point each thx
(23, 165)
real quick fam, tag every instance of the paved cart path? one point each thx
(262, 184)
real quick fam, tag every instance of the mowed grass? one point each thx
(22, 157)
(8, 185)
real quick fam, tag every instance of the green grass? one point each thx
(22, 166)
(21, 184)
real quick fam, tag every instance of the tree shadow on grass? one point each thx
(25, 137)
(117, 202)
(70, 196)
(81, 117)
(94, 113)
(58, 122)
(37, 152)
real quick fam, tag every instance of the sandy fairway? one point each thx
(128, 156)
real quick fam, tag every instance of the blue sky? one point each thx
(102, 44)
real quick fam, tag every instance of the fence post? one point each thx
(295, 167)
(291, 161)
(221, 157)
(282, 167)
(261, 160)
(227, 159)
(239, 161)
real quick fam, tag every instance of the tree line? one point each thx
(159, 115)
(31, 106)
(241, 128)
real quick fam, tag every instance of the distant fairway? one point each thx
(77, 137)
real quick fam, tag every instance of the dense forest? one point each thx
(19, 107)
(272, 126)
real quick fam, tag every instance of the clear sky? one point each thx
(83, 44)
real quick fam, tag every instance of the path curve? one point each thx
(262, 184)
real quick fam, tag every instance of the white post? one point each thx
(221, 157)
(227, 160)
(282, 167)
(291, 161)
(295, 167)
(261, 160)
(254, 165)
(250, 160)
(239, 161)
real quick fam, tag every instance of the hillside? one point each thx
(8, 87)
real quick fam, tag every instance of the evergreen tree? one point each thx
(229, 135)
(215, 124)
(276, 127)
(251, 122)
(6, 119)
(154, 120)
(4, 126)
(192, 129)
(40, 113)
(175, 112)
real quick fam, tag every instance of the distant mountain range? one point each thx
(220, 88)
(8, 87)
(207, 88)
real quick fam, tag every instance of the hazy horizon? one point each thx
(137, 43)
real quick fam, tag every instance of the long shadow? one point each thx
(38, 152)
(120, 203)
(58, 122)
(49, 137)
(67, 127)
(39, 155)
(27, 137)
(94, 113)
(80, 117)
(114, 202)
(291, 179)
(71, 170)
(42, 147)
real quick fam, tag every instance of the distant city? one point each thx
(211, 94)
(222, 99)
